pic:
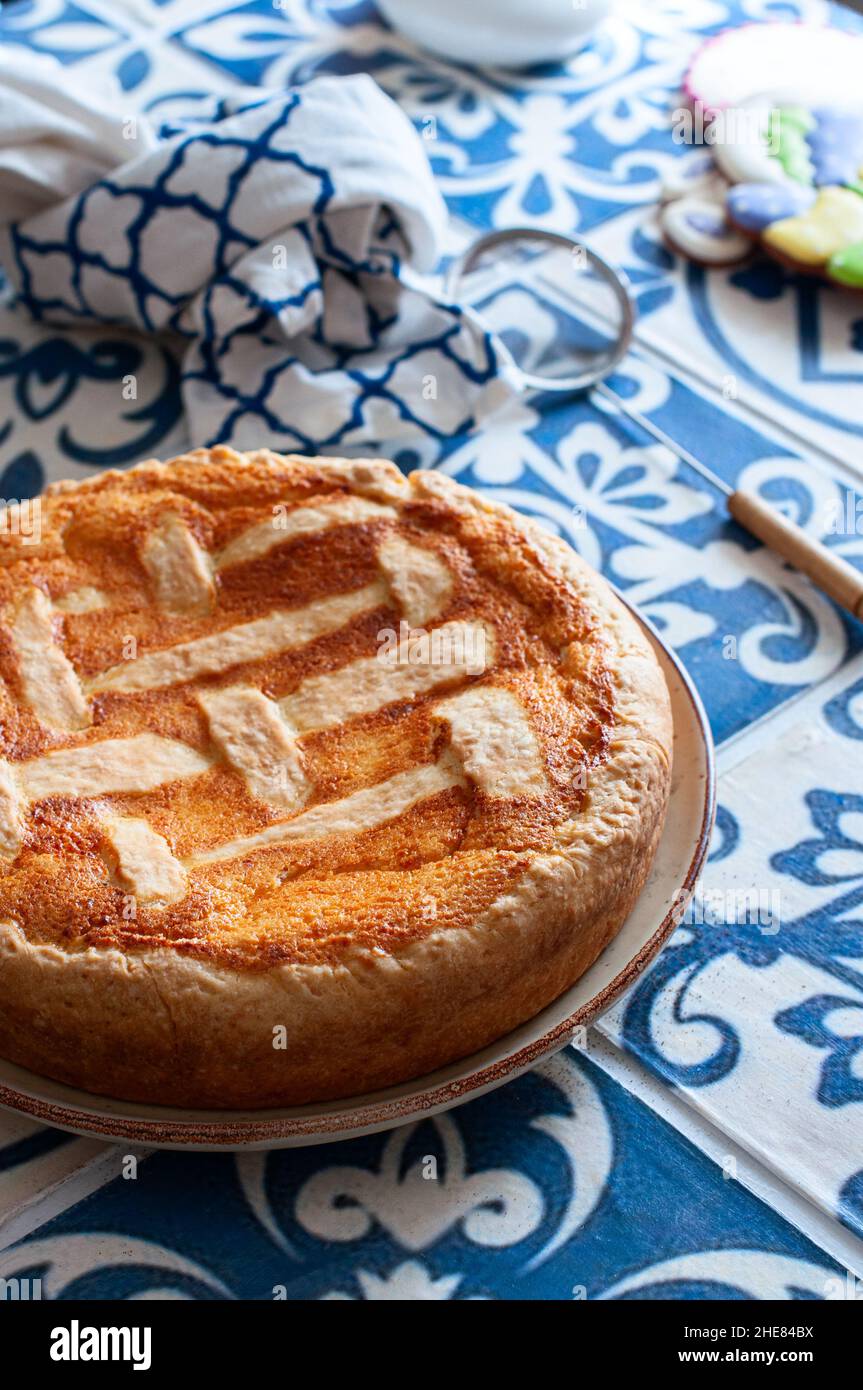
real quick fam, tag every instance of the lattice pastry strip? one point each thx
(259, 744)
(51, 687)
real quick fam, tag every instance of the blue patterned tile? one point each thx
(93, 399)
(66, 31)
(756, 1006)
(562, 1185)
(753, 633)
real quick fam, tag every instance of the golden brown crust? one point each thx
(462, 853)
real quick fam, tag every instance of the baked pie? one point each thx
(314, 777)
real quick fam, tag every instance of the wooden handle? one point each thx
(829, 572)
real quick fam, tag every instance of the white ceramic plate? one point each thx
(678, 863)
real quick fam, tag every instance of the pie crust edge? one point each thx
(166, 1028)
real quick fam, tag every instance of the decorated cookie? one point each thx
(794, 167)
(820, 63)
(765, 140)
(699, 228)
(833, 223)
(754, 206)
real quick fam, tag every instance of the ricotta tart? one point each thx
(313, 777)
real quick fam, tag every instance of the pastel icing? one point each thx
(776, 141)
(788, 135)
(799, 57)
(699, 228)
(846, 266)
(705, 221)
(744, 154)
(796, 117)
(834, 222)
(836, 146)
(753, 206)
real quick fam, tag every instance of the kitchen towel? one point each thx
(283, 236)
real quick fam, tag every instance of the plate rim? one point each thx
(244, 1130)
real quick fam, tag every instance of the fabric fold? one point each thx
(283, 236)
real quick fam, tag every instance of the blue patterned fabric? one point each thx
(279, 236)
(565, 1183)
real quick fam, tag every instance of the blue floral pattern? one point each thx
(790, 919)
(560, 1186)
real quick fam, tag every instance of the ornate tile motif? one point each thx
(561, 1185)
(756, 1006)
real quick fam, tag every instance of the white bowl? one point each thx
(500, 33)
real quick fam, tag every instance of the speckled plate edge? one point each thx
(647, 928)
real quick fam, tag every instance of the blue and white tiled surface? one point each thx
(561, 1185)
(709, 1138)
